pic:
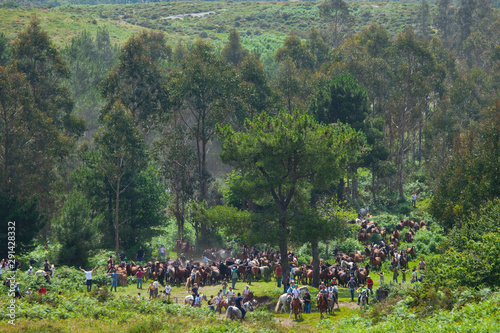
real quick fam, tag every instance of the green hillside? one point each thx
(258, 23)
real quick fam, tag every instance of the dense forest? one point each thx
(225, 130)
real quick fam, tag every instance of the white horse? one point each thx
(189, 299)
(233, 312)
(285, 300)
(363, 301)
(42, 272)
(333, 299)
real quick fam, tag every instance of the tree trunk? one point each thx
(420, 143)
(283, 244)
(401, 152)
(117, 210)
(315, 263)
(354, 183)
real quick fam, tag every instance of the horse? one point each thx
(322, 304)
(232, 312)
(332, 300)
(363, 300)
(283, 301)
(189, 299)
(296, 308)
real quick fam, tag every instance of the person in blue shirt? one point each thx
(239, 305)
(290, 289)
(114, 279)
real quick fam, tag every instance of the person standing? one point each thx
(29, 271)
(279, 275)
(224, 287)
(140, 254)
(114, 279)
(307, 302)
(168, 291)
(369, 284)
(395, 274)
(16, 291)
(414, 200)
(157, 286)
(414, 275)
(421, 264)
(151, 290)
(234, 275)
(211, 303)
(403, 273)
(139, 274)
(88, 275)
(162, 251)
(218, 299)
(352, 287)
(382, 277)
(29, 292)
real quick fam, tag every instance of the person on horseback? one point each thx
(246, 291)
(331, 288)
(239, 305)
(363, 292)
(194, 291)
(290, 289)
(230, 295)
(296, 292)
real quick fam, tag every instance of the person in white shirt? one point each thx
(156, 285)
(30, 271)
(168, 291)
(296, 292)
(246, 291)
(218, 299)
(88, 275)
(230, 295)
(162, 251)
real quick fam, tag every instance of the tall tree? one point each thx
(122, 153)
(444, 20)
(45, 70)
(177, 161)
(424, 19)
(139, 82)
(415, 63)
(18, 126)
(233, 52)
(76, 230)
(203, 92)
(293, 48)
(90, 58)
(337, 12)
(280, 156)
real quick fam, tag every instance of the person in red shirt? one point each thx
(139, 274)
(42, 290)
(369, 283)
(279, 275)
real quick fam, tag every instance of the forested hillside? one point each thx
(312, 130)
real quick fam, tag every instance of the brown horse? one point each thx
(322, 304)
(296, 308)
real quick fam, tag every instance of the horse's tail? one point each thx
(278, 305)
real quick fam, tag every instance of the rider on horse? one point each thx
(363, 292)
